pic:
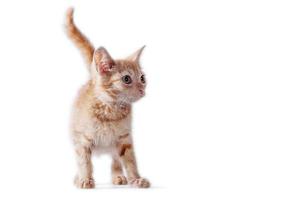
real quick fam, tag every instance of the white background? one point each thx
(220, 119)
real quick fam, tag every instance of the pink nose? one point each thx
(141, 91)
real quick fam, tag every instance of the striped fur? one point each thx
(78, 38)
(101, 118)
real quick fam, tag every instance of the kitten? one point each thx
(101, 119)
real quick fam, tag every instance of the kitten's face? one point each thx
(122, 80)
(128, 81)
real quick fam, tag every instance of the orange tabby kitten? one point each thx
(101, 120)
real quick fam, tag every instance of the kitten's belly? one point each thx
(107, 133)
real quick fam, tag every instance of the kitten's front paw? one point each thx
(119, 180)
(84, 183)
(140, 183)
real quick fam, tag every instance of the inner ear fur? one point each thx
(104, 62)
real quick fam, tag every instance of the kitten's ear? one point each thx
(103, 61)
(135, 57)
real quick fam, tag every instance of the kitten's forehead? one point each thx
(130, 67)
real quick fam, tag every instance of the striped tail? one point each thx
(81, 41)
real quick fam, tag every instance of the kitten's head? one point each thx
(118, 80)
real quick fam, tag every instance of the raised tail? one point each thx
(84, 45)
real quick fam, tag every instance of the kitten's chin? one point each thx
(135, 100)
(130, 100)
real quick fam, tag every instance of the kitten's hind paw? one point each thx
(140, 183)
(84, 183)
(119, 180)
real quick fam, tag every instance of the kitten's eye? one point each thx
(127, 79)
(143, 80)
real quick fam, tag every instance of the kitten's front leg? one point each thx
(126, 154)
(84, 177)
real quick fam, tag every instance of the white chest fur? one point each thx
(107, 134)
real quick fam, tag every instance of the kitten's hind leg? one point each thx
(128, 160)
(117, 175)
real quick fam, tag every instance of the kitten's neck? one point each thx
(106, 100)
(106, 108)
(114, 104)
(107, 97)
(110, 112)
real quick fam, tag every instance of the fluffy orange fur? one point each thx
(101, 119)
(78, 38)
